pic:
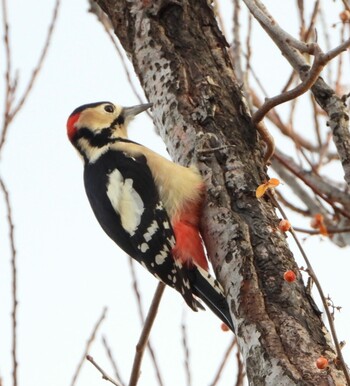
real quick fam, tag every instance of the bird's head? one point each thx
(97, 124)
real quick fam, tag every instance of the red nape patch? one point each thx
(71, 129)
(189, 248)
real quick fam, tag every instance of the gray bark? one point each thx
(180, 57)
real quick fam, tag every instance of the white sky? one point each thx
(68, 270)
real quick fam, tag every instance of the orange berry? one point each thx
(289, 276)
(224, 327)
(317, 222)
(284, 225)
(321, 363)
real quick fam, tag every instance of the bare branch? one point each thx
(285, 129)
(40, 61)
(141, 345)
(187, 354)
(103, 19)
(291, 166)
(88, 345)
(111, 359)
(103, 373)
(240, 373)
(236, 45)
(292, 50)
(267, 138)
(309, 79)
(14, 281)
(142, 320)
(224, 361)
(317, 232)
(10, 110)
(8, 86)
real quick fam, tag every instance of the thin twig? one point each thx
(40, 61)
(236, 44)
(240, 373)
(137, 293)
(103, 373)
(301, 10)
(8, 58)
(142, 320)
(224, 361)
(106, 24)
(305, 85)
(317, 232)
(111, 359)
(285, 129)
(293, 207)
(11, 111)
(316, 120)
(320, 291)
(338, 88)
(313, 18)
(308, 79)
(142, 343)
(14, 281)
(187, 354)
(278, 156)
(88, 345)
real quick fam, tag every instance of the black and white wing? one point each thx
(126, 202)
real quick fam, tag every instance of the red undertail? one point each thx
(189, 246)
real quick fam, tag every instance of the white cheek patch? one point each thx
(125, 201)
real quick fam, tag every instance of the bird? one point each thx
(148, 205)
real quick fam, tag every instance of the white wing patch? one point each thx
(125, 201)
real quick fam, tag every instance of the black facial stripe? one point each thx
(119, 120)
(101, 139)
(95, 140)
(88, 106)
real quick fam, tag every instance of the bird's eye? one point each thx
(109, 108)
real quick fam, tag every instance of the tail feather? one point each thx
(209, 290)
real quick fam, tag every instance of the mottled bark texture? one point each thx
(180, 56)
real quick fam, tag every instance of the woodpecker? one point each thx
(149, 206)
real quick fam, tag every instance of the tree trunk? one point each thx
(181, 59)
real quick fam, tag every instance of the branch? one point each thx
(104, 375)
(10, 111)
(325, 96)
(241, 373)
(224, 361)
(141, 345)
(88, 345)
(317, 232)
(40, 61)
(14, 281)
(286, 129)
(142, 319)
(309, 180)
(8, 58)
(309, 79)
(187, 353)
(111, 359)
(106, 23)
